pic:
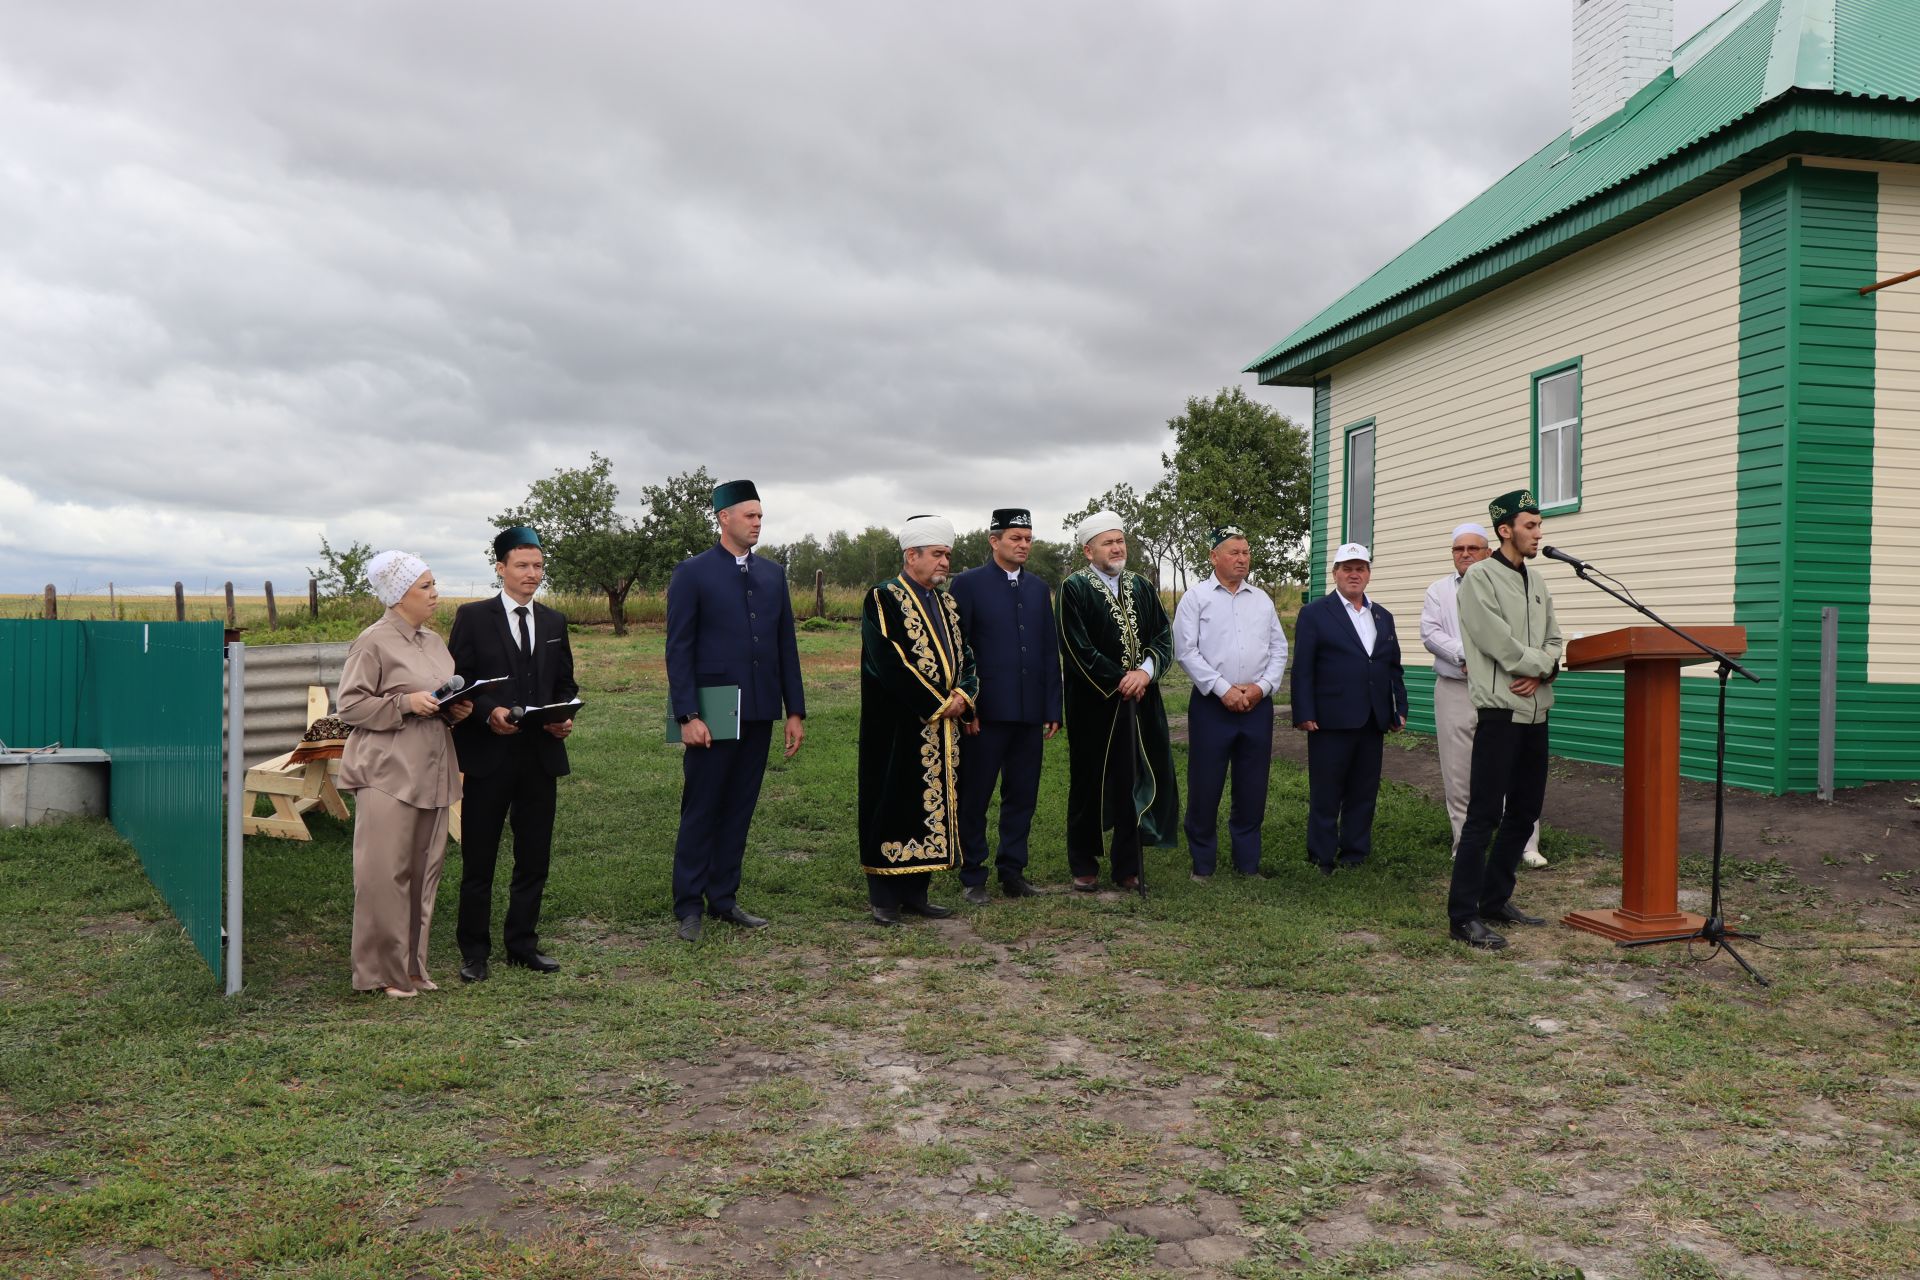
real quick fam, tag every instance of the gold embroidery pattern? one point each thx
(939, 749)
(1122, 614)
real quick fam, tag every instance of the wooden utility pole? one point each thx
(50, 610)
(273, 613)
(313, 597)
(233, 622)
(819, 593)
(113, 606)
(179, 602)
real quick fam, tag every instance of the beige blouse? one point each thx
(409, 757)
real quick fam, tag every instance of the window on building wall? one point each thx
(1359, 486)
(1556, 437)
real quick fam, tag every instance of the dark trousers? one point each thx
(907, 889)
(1010, 755)
(522, 793)
(720, 787)
(1085, 822)
(1219, 740)
(1343, 785)
(1509, 789)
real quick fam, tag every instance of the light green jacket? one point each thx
(1508, 630)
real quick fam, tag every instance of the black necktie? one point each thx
(526, 637)
(526, 656)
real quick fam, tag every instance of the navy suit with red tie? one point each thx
(1355, 697)
(508, 777)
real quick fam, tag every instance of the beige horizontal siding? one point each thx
(1893, 625)
(1653, 313)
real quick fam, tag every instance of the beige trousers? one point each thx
(1453, 721)
(397, 854)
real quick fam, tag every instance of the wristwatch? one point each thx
(687, 719)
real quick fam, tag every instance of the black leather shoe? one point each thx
(1326, 868)
(926, 910)
(1476, 934)
(887, 916)
(1017, 887)
(734, 915)
(976, 894)
(1507, 913)
(535, 961)
(691, 927)
(473, 971)
(1086, 884)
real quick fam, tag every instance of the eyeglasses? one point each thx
(1459, 550)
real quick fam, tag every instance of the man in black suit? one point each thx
(510, 770)
(1349, 692)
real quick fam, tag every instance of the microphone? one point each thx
(1555, 553)
(454, 685)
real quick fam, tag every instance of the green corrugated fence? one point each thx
(149, 694)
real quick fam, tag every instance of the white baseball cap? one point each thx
(1352, 551)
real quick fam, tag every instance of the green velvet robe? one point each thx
(909, 755)
(1102, 637)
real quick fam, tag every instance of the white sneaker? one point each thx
(1533, 859)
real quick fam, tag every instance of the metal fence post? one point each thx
(236, 794)
(1829, 694)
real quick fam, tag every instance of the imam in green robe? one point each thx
(913, 658)
(1119, 765)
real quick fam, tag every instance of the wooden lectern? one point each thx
(1650, 826)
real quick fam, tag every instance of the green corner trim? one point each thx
(1319, 546)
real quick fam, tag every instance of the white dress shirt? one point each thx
(1224, 638)
(1113, 584)
(508, 603)
(1361, 616)
(1440, 628)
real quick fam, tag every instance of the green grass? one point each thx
(1301, 1074)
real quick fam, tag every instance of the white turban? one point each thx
(926, 531)
(391, 572)
(1470, 527)
(1095, 525)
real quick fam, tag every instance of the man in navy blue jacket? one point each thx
(729, 622)
(1007, 616)
(1349, 692)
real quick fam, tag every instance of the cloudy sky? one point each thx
(274, 271)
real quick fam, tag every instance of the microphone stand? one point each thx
(1714, 929)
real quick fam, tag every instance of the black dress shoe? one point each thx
(535, 961)
(1476, 934)
(976, 894)
(888, 916)
(1508, 913)
(1086, 884)
(1353, 859)
(691, 927)
(1017, 887)
(473, 971)
(734, 915)
(1326, 868)
(926, 910)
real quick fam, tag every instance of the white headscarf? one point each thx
(926, 531)
(1470, 527)
(1095, 525)
(391, 572)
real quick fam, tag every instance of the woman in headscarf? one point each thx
(399, 763)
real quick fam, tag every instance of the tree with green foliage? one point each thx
(1151, 521)
(1237, 461)
(679, 523)
(343, 574)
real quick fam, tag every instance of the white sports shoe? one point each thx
(1533, 859)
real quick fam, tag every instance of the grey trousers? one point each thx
(1453, 720)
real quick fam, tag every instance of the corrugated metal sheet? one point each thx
(276, 696)
(40, 668)
(1723, 76)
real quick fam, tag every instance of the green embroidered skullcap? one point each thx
(1217, 536)
(734, 491)
(519, 536)
(1508, 505)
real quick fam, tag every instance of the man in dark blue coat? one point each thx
(729, 623)
(1007, 616)
(1349, 692)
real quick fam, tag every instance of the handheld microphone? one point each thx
(514, 714)
(451, 687)
(1555, 553)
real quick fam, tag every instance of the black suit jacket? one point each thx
(483, 647)
(1336, 683)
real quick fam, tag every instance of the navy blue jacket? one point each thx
(729, 627)
(1335, 683)
(1014, 644)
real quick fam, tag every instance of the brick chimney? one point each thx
(1618, 47)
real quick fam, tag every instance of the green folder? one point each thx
(719, 708)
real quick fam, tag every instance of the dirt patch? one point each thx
(1863, 847)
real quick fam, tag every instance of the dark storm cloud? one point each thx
(264, 268)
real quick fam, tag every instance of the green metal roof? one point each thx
(1755, 56)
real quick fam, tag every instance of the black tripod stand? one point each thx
(1714, 929)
